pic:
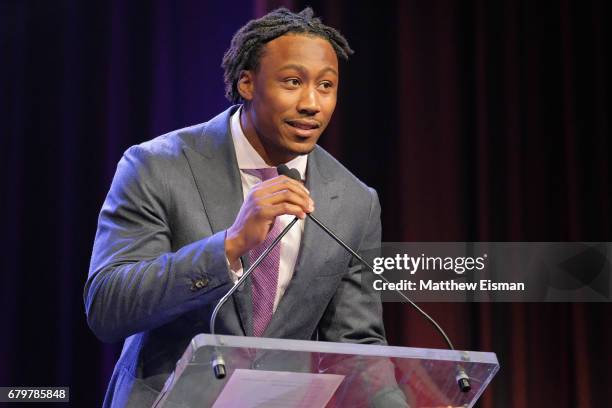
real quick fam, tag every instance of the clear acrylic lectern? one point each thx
(263, 372)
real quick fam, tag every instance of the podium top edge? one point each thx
(375, 350)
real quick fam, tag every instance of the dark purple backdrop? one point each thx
(475, 120)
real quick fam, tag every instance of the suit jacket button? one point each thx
(200, 283)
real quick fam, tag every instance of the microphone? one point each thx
(218, 363)
(461, 377)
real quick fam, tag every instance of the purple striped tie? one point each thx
(265, 277)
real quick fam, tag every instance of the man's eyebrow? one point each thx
(302, 68)
(330, 69)
(297, 67)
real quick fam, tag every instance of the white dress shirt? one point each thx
(248, 158)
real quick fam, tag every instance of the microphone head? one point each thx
(283, 170)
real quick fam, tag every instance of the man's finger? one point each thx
(288, 196)
(275, 210)
(281, 182)
(264, 190)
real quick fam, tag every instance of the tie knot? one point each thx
(264, 174)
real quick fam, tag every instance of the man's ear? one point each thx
(245, 84)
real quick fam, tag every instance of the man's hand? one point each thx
(266, 200)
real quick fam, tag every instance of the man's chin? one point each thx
(303, 149)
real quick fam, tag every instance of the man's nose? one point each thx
(309, 101)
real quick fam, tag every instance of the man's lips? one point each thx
(304, 124)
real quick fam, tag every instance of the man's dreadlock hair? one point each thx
(247, 44)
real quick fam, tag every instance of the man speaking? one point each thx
(189, 211)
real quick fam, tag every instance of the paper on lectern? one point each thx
(258, 388)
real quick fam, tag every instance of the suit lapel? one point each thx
(217, 176)
(314, 246)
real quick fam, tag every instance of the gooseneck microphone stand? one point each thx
(218, 363)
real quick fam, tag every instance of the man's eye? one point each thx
(293, 81)
(326, 85)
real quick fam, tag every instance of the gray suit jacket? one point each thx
(158, 264)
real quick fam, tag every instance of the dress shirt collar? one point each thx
(247, 156)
